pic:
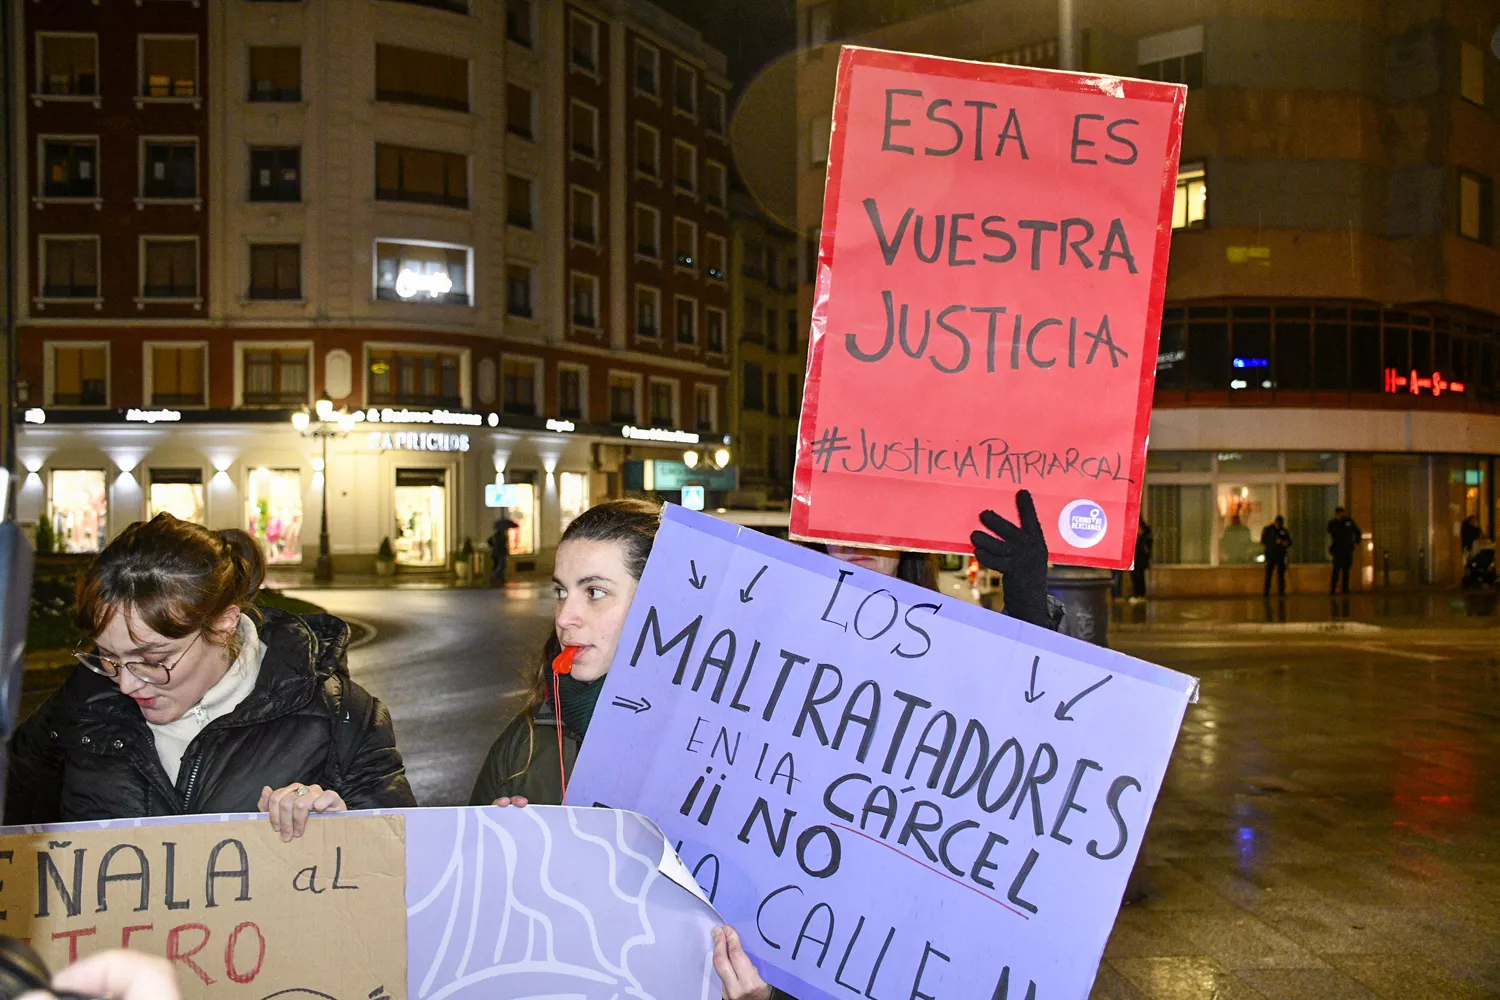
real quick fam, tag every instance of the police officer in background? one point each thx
(1345, 535)
(1276, 541)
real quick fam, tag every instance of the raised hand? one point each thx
(1019, 553)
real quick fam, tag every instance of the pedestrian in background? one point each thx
(499, 543)
(1145, 541)
(187, 699)
(1344, 535)
(1276, 542)
(1469, 532)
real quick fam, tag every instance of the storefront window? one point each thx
(1308, 510)
(523, 539)
(421, 508)
(178, 492)
(1209, 508)
(79, 505)
(1181, 518)
(1243, 511)
(572, 496)
(273, 513)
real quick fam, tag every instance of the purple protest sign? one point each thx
(552, 901)
(887, 791)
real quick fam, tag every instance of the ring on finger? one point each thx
(301, 791)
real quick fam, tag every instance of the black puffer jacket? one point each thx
(88, 754)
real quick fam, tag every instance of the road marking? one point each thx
(370, 631)
(1371, 647)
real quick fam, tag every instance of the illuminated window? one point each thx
(178, 375)
(415, 378)
(1475, 206)
(274, 376)
(424, 273)
(1190, 205)
(1471, 73)
(80, 375)
(169, 67)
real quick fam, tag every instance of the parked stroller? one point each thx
(1479, 568)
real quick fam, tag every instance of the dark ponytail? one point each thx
(176, 577)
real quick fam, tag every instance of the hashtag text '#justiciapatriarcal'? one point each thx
(988, 458)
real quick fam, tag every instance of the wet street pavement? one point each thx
(1329, 827)
(448, 664)
(1330, 824)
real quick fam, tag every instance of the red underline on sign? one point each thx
(935, 871)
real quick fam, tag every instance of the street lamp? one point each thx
(323, 423)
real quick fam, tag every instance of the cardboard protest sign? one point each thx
(887, 791)
(239, 912)
(423, 903)
(988, 305)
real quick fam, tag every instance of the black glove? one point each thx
(1020, 555)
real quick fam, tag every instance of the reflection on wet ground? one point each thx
(1414, 609)
(1329, 827)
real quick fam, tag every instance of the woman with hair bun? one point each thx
(188, 699)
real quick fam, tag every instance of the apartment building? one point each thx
(425, 211)
(1332, 325)
(770, 355)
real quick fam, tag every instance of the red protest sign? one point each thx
(988, 307)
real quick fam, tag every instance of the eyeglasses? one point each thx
(155, 674)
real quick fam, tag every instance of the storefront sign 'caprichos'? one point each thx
(417, 441)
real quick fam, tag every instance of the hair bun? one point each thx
(249, 562)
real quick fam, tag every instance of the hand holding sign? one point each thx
(884, 789)
(1019, 553)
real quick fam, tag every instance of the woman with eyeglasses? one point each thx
(188, 699)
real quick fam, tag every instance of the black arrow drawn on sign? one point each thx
(1032, 694)
(1063, 706)
(745, 597)
(635, 706)
(697, 581)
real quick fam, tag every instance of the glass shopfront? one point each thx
(572, 497)
(273, 513)
(178, 492)
(1209, 508)
(421, 509)
(78, 508)
(523, 511)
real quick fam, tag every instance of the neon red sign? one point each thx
(1414, 384)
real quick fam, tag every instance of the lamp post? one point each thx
(323, 422)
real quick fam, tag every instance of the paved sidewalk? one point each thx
(1428, 609)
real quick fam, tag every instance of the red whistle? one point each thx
(563, 662)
